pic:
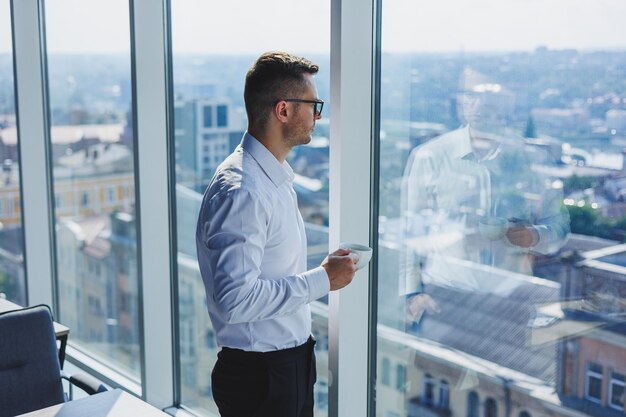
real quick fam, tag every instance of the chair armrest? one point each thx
(86, 382)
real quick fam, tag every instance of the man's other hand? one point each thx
(523, 236)
(340, 267)
(419, 304)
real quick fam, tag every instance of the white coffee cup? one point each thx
(363, 252)
(492, 228)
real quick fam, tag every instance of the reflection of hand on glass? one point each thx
(419, 304)
(524, 236)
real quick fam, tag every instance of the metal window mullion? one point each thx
(149, 31)
(352, 35)
(29, 54)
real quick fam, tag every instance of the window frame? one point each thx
(488, 410)
(473, 408)
(429, 385)
(444, 394)
(400, 377)
(621, 382)
(354, 57)
(593, 374)
(32, 113)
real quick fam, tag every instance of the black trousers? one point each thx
(265, 384)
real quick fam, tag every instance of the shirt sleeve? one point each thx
(554, 226)
(232, 234)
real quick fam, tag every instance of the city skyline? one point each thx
(407, 26)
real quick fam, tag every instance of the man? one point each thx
(252, 251)
(478, 203)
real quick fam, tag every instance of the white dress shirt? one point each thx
(252, 253)
(449, 187)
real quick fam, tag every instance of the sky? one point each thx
(303, 26)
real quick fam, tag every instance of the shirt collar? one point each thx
(463, 149)
(278, 173)
(463, 144)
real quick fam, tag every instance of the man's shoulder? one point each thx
(239, 175)
(439, 148)
(445, 140)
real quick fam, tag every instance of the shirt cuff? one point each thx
(544, 239)
(319, 284)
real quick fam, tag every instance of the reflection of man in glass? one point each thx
(477, 202)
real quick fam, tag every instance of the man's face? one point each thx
(299, 129)
(469, 107)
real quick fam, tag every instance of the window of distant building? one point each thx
(110, 194)
(444, 394)
(386, 372)
(210, 339)
(84, 199)
(593, 382)
(429, 390)
(222, 116)
(491, 408)
(524, 414)
(190, 375)
(472, 404)
(617, 387)
(400, 377)
(207, 116)
(322, 396)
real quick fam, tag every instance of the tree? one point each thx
(587, 221)
(575, 183)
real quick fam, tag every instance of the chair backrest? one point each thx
(30, 376)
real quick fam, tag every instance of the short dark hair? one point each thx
(274, 76)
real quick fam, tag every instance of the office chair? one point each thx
(30, 376)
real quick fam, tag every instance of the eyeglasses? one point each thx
(318, 105)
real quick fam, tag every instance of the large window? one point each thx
(211, 55)
(92, 155)
(12, 277)
(501, 228)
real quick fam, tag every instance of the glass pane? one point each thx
(595, 388)
(211, 57)
(501, 205)
(12, 278)
(94, 176)
(616, 391)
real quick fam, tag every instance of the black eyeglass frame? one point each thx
(320, 103)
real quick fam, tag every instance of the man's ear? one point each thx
(281, 111)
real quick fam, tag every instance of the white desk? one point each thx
(114, 403)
